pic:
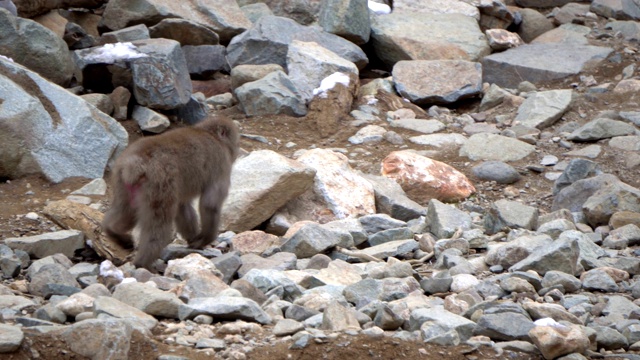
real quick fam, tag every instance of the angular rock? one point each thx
(424, 179)
(505, 326)
(539, 62)
(577, 169)
(309, 239)
(224, 17)
(621, 10)
(10, 338)
(40, 246)
(542, 109)
(309, 63)
(117, 309)
(348, 19)
(332, 102)
(495, 147)
(160, 79)
(35, 47)
(449, 80)
(450, 321)
(609, 199)
(53, 279)
(102, 338)
(273, 94)
(184, 31)
(392, 200)
(336, 317)
(574, 196)
(262, 182)
(225, 307)
(80, 140)
(507, 214)
(389, 249)
(149, 299)
(338, 191)
(599, 129)
(205, 60)
(500, 39)
(561, 255)
(405, 35)
(269, 38)
(149, 120)
(444, 220)
(556, 340)
(516, 250)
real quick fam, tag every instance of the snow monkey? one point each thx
(156, 178)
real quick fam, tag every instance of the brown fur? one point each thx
(156, 178)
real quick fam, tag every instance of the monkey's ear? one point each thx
(223, 131)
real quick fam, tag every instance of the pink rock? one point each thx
(254, 242)
(555, 341)
(424, 179)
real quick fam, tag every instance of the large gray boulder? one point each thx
(268, 40)
(346, 18)
(155, 69)
(437, 81)
(271, 95)
(48, 130)
(222, 16)
(36, 47)
(539, 62)
(404, 35)
(262, 182)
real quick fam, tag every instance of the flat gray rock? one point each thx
(542, 109)
(539, 62)
(497, 171)
(616, 9)
(437, 81)
(222, 16)
(10, 338)
(495, 147)
(408, 35)
(419, 125)
(230, 308)
(43, 245)
(602, 128)
(269, 38)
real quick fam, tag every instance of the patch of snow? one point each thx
(110, 53)
(6, 58)
(379, 8)
(107, 269)
(548, 322)
(330, 82)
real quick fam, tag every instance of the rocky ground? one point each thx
(537, 257)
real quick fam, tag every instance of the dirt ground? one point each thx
(21, 196)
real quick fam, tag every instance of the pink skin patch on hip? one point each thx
(133, 190)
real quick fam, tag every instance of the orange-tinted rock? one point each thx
(255, 242)
(424, 179)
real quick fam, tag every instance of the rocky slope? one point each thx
(456, 178)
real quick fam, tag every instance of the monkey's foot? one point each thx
(126, 241)
(199, 242)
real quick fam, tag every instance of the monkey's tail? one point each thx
(132, 170)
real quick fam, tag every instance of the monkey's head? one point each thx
(225, 130)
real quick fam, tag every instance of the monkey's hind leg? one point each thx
(155, 216)
(187, 221)
(210, 211)
(120, 218)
